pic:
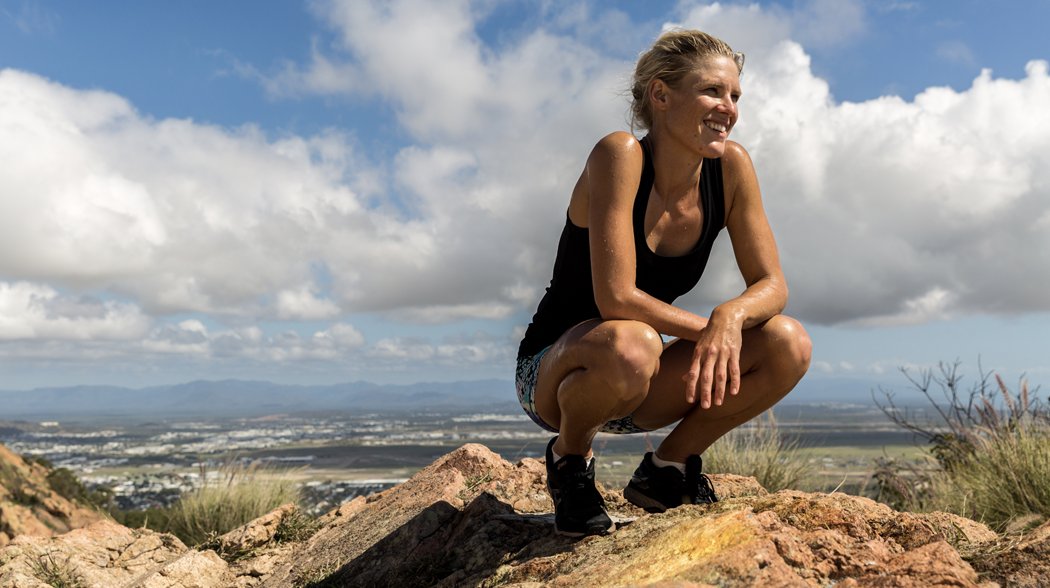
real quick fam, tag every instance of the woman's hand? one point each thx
(715, 369)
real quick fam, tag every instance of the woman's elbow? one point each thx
(612, 305)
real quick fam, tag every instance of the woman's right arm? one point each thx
(612, 176)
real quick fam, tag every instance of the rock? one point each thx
(256, 533)
(107, 554)
(415, 516)
(473, 519)
(28, 505)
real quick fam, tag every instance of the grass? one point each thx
(759, 449)
(1007, 477)
(988, 452)
(237, 495)
(54, 573)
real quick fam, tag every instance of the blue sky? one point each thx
(333, 191)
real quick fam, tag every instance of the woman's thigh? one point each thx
(606, 347)
(666, 403)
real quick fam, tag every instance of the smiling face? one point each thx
(701, 110)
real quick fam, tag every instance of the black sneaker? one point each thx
(578, 507)
(658, 489)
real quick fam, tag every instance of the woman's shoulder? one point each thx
(735, 155)
(613, 171)
(618, 144)
(736, 160)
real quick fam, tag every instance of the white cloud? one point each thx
(424, 55)
(192, 338)
(886, 210)
(880, 204)
(303, 303)
(956, 52)
(452, 312)
(35, 311)
(457, 352)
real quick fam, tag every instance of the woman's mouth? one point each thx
(716, 126)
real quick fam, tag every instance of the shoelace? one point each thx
(697, 484)
(578, 487)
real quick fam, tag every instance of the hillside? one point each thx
(474, 519)
(28, 505)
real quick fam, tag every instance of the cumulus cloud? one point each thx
(37, 311)
(305, 304)
(891, 211)
(887, 211)
(905, 190)
(460, 351)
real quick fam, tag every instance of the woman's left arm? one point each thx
(716, 357)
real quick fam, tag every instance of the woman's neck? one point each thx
(676, 169)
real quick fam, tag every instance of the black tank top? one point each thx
(570, 297)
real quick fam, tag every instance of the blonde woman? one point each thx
(639, 228)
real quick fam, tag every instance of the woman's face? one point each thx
(701, 111)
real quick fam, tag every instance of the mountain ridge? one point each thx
(233, 397)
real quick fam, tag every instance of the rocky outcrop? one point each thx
(474, 519)
(106, 554)
(28, 505)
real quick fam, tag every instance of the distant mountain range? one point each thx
(230, 398)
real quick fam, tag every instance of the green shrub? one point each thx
(1006, 477)
(23, 494)
(66, 484)
(758, 449)
(989, 451)
(236, 496)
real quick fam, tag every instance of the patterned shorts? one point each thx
(525, 382)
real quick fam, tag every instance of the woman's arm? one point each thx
(716, 356)
(610, 183)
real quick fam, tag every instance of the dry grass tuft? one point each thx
(758, 449)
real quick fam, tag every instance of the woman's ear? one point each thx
(658, 91)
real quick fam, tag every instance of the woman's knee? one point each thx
(627, 354)
(790, 346)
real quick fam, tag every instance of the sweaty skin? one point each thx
(718, 371)
(603, 198)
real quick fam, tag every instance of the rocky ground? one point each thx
(474, 519)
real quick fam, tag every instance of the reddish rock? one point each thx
(255, 534)
(106, 554)
(473, 519)
(28, 505)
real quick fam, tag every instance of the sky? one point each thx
(331, 191)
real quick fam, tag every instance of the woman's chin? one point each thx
(714, 149)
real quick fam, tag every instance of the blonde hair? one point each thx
(672, 56)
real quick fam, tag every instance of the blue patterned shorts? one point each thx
(525, 382)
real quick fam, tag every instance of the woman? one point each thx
(640, 225)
